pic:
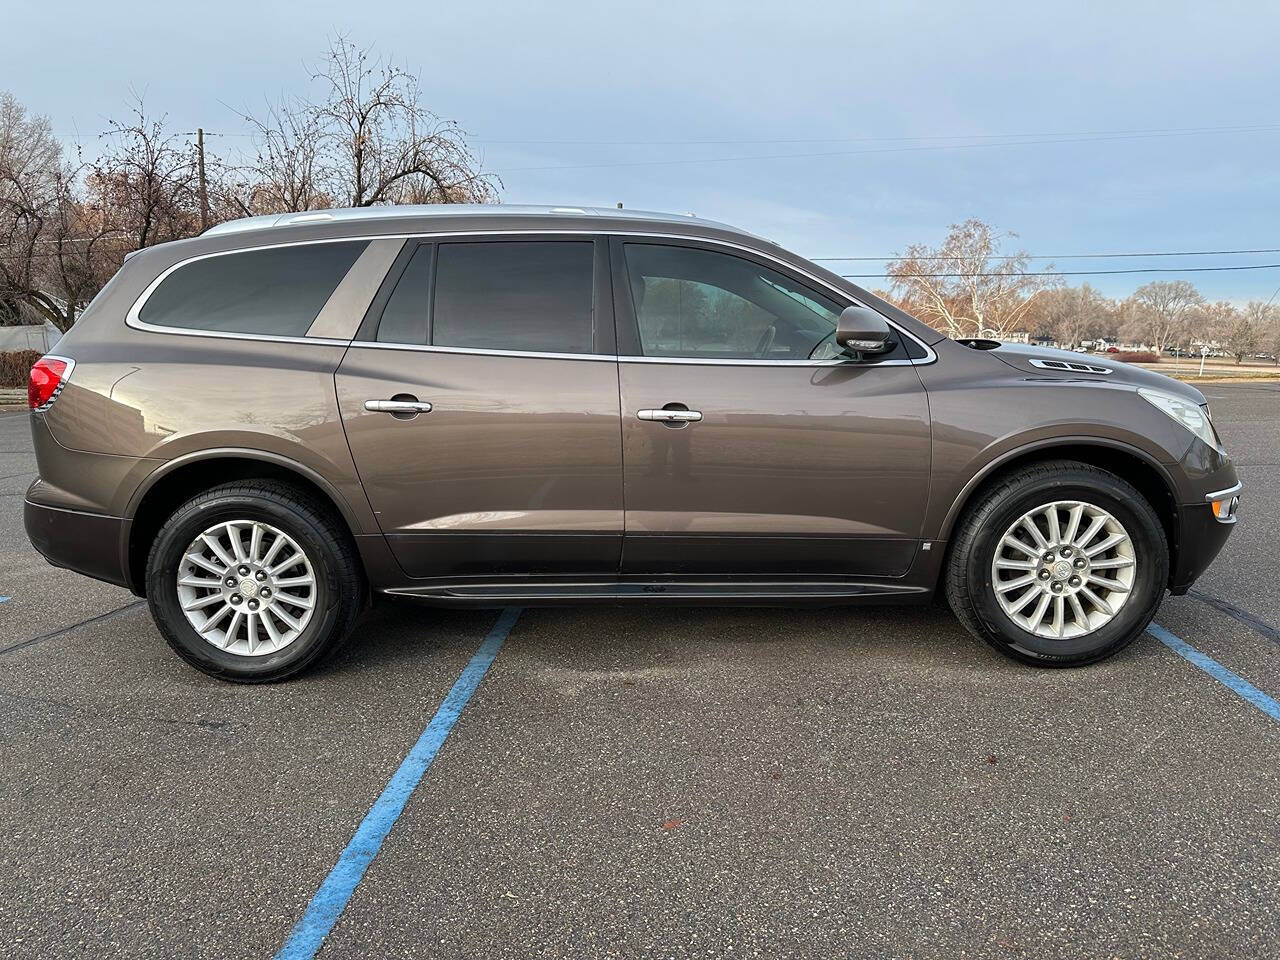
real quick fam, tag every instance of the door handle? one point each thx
(397, 406)
(670, 416)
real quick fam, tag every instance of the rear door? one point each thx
(751, 446)
(480, 401)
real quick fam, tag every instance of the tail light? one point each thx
(48, 377)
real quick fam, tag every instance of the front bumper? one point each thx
(1202, 531)
(87, 543)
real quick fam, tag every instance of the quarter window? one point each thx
(520, 295)
(707, 305)
(277, 291)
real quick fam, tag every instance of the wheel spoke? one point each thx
(251, 631)
(1059, 614)
(1097, 601)
(289, 561)
(1004, 586)
(1090, 532)
(199, 603)
(295, 581)
(1104, 545)
(255, 542)
(1055, 531)
(1073, 524)
(1115, 563)
(206, 564)
(1115, 586)
(284, 616)
(1037, 615)
(1011, 541)
(1077, 611)
(1018, 605)
(276, 546)
(1030, 526)
(272, 632)
(1003, 563)
(207, 583)
(216, 548)
(237, 543)
(216, 618)
(304, 602)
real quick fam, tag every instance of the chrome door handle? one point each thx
(670, 416)
(397, 406)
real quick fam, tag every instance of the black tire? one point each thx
(968, 581)
(340, 586)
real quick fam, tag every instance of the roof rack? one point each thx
(409, 211)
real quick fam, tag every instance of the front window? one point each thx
(703, 304)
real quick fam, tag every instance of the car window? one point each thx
(703, 304)
(276, 291)
(514, 295)
(404, 318)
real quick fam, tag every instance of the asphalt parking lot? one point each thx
(651, 782)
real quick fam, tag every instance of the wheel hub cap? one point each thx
(1064, 569)
(246, 587)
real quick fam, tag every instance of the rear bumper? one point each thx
(1200, 536)
(87, 543)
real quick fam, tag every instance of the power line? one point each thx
(1239, 128)
(1070, 273)
(839, 153)
(1066, 256)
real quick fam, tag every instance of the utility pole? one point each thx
(204, 187)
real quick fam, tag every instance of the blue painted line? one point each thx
(4, 599)
(1237, 684)
(332, 897)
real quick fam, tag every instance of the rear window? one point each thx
(275, 292)
(520, 295)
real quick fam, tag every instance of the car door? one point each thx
(751, 444)
(480, 402)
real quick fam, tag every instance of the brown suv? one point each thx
(260, 428)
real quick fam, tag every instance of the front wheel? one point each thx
(1060, 564)
(253, 581)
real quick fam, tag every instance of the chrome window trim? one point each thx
(132, 319)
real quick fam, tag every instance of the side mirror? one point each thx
(863, 331)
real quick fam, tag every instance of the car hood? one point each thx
(1019, 357)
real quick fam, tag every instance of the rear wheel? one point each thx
(1060, 564)
(253, 581)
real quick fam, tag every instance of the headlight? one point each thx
(1191, 415)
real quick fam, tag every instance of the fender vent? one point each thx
(1069, 365)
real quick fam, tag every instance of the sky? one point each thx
(838, 129)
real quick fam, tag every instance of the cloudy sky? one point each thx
(838, 129)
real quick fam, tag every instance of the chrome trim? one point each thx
(397, 406)
(670, 416)
(132, 319)
(469, 351)
(1223, 494)
(1070, 366)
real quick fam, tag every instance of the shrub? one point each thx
(15, 365)
(1136, 356)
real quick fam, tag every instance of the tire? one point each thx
(971, 581)
(270, 510)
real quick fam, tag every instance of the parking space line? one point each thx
(336, 890)
(1235, 683)
(22, 644)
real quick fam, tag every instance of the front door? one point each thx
(481, 406)
(750, 445)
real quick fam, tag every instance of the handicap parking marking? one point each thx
(4, 599)
(336, 890)
(1232, 681)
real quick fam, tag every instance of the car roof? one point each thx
(458, 211)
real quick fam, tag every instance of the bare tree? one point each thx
(147, 179)
(1161, 310)
(367, 140)
(1072, 314)
(1244, 330)
(966, 287)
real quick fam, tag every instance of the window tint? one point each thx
(708, 305)
(277, 291)
(520, 295)
(404, 319)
